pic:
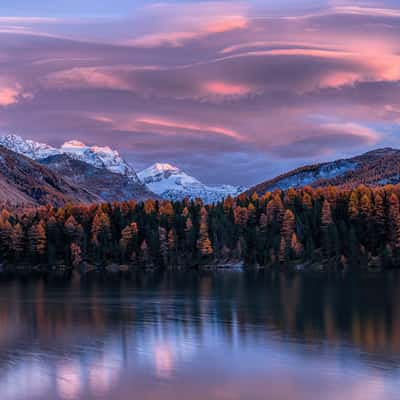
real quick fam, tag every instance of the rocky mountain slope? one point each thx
(24, 181)
(170, 182)
(378, 167)
(107, 185)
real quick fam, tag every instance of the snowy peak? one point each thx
(163, 167)
(73, 146)
(99, 157)
(166, 175)
(171, 183)
(29, 148)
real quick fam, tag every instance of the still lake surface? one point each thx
(201, 336)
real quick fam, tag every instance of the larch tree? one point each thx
(204, 245)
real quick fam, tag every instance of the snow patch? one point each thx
(326, 171)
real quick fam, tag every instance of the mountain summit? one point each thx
(172, 183)
(99, 157)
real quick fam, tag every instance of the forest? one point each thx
(333, 227)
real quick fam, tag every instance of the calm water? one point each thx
(201, 336)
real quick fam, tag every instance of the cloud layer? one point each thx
(233, 92)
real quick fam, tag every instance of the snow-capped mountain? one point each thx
(99, 157)
(164, 180)
(29, 148)
(171, 183)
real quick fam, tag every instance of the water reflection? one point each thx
(201, 336)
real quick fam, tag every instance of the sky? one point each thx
(230, 91)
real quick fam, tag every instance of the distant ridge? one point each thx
(374, 168)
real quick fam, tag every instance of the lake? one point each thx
(201, 335)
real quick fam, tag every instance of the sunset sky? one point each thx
(231, 92)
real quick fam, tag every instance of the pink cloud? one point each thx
(226, 89)
(189, 22)
(277, 43)
(178, 38)
(164, 126)
(87, 78)
(8, 96)
(171, 126)
(367, 11)
(12, 94)
(369, 135)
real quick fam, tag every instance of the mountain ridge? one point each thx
(165, 180)
(375, 168)
(24, 181)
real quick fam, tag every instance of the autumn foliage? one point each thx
(341, 228)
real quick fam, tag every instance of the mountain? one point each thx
(99, 170)
(24, 181)
(107, 185)
(171, 183)
(99, 157)
(375, 168)
(109, 176)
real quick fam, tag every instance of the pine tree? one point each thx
(101, 235)
(204, 245)
(288, 224)
(365, 207)
(283, 250)
(379, 220)
(38, 241)
(354, 205)
(287, 230)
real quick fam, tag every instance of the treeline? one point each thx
(340, 228)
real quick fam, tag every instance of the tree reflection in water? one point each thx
(201, 336)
